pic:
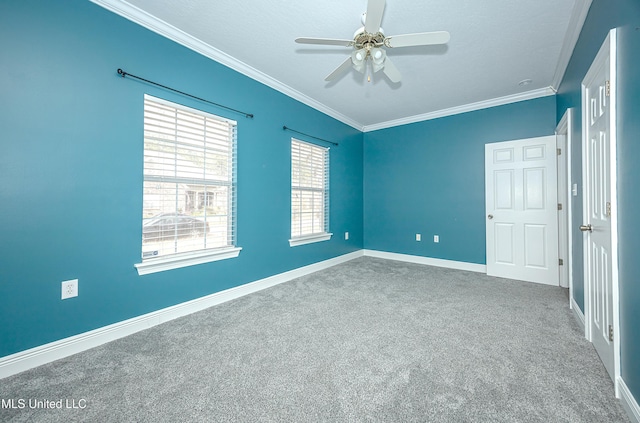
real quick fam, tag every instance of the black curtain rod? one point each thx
(123, 73)
(307, 135)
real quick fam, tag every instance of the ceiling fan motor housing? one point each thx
(364, 40)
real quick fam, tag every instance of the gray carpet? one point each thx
(368, 340)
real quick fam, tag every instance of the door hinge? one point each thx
(608, 209)
(608, 88)
(559, 151)
(610, 333)
(559, 206)
(561, 262)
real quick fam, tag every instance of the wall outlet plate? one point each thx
(69, 289)
(346, 235)
(436, 238)
(418, 237)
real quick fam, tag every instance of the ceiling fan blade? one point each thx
(418, 39)
(391, 71)
(375, 8)
(340, 69)
(325, 41)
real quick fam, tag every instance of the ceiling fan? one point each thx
(368, 43)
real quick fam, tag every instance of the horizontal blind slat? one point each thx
(189, 172)
(309, 187)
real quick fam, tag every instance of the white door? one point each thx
(521, 210)
(598, 206)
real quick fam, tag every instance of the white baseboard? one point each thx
(460, 265)
(629, 403)
(577, 312)
(24, 360)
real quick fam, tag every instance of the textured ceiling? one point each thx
(494, 45)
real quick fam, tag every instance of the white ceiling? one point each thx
(494, 45)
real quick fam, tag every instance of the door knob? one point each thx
(586, 228)
(490, 217)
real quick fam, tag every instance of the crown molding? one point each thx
(144, 19)
(529, 95)
(578, 16)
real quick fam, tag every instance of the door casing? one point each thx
(565, 249)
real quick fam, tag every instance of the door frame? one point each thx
(565, 249)
(608, 47)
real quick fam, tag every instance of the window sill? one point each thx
(308, 239)
(177, 261)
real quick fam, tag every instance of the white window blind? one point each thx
(309, 190)
(189, 180)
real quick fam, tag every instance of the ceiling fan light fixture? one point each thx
(358, 58)
(378, 57)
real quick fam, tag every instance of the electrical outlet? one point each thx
(346, 235)
(418, 237)
(69, 289)
(436, 238)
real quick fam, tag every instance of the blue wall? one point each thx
(71, 171)
(603, 16)
(428, 178)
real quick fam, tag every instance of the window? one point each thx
(188, 214)
(309, 193)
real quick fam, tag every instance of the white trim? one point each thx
(144, 19)
(176, 261)
(585, 242)
(613, 172)
(459, 265)
(570, 135)
(563, 197)
(629, 403)
(529, 95)
(308, 239)
(578, 16)
(565, 127)
(576, 311)
(25, 360)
